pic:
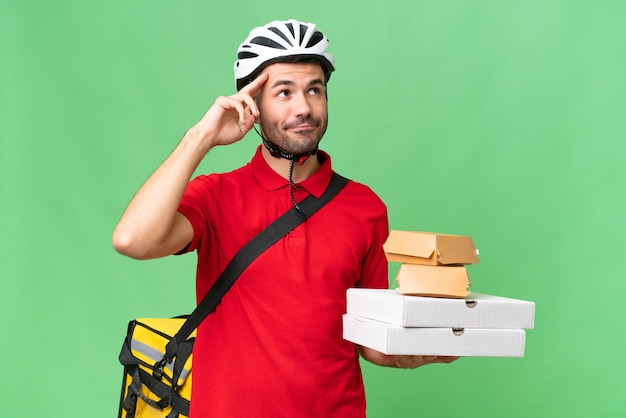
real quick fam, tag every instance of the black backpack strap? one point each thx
(263, 240)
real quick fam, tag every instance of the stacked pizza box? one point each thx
(431, 311)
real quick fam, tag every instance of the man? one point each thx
(273, 347)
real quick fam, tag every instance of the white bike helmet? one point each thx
(275, 42)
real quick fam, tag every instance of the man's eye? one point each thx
(283, 93)
(314, 91)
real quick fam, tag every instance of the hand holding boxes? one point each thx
(454, 323)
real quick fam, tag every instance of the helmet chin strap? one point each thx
(276, 151)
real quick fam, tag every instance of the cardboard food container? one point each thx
(435, 281)
(474, 311)
(394, 339)
(430, 249)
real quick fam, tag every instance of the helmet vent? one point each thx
(263, 41)
(315, 39)
(282, 35)
(303, 29)
(246, 54)
(290, 27)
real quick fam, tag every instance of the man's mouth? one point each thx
(302, 124)
(302, 128)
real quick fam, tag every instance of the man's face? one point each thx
(293, 106)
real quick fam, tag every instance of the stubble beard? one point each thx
(292, 143)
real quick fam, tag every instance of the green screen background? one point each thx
(503, 120)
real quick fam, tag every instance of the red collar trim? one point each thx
(270, 180)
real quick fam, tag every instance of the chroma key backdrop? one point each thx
(498, 119)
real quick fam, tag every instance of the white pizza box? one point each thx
(466, 342)
(474, 311)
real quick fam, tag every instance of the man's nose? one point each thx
(302, 107)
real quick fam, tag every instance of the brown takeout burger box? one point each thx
(429, 248)
(434, 281)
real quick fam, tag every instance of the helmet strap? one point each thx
(277, 152)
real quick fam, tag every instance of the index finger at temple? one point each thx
(255, 85)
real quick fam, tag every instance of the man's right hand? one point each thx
(230, 118)
(151, 225)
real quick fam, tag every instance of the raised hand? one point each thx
(230, 118)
